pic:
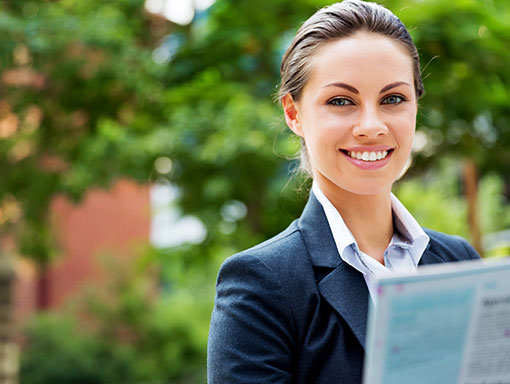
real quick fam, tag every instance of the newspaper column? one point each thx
(8, 349)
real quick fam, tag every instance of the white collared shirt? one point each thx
(402, 254)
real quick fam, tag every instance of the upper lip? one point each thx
(367, 148)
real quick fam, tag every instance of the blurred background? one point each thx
(140, 146)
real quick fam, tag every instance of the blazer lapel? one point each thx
(430, 257)
(344, 288)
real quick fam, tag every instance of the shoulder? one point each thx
(450, 247)
(275, 255)
(253, 327)
(279, 270)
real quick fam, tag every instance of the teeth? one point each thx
(368, 156)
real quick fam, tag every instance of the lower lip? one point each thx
(368, 165)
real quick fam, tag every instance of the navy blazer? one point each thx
(290, 310)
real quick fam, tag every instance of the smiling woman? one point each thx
(294, 308)
(358, 122)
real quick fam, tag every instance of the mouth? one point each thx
(368, 156)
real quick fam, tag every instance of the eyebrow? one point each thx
(343, 85)
(393, 85)
(354, 90)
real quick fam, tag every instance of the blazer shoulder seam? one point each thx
(270, 242)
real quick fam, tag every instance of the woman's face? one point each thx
(357, 114)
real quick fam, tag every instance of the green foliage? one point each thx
(227, 134)
(463, 46)
(59, 353)
(494, 213)
(84, 103)
(96, 106)
(79, 85)
(434, 201)
(494, 209)
(131, 333)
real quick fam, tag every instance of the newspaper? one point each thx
(446, 324)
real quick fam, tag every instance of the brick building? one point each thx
(104, 224)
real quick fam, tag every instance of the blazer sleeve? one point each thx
(250, 335)
(471, 252)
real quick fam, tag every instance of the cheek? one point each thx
(405, 128)
(325, 141)
(327, 129)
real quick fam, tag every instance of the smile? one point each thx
(369, 160)
(367, 155)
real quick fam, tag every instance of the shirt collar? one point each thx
(342, 235)
(409, 234)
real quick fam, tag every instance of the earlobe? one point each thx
(291, 113)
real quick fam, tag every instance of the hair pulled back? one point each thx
(334, 22)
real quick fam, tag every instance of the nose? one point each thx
(369, 124)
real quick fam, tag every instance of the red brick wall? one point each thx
(111, 223)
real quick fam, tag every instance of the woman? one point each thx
(294, 308)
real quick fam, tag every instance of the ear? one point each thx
(290, 109)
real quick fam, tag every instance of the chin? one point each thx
(362, 188)
(368, 191)
(343, 182)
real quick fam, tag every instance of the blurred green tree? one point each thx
(79, 89)
(86, 99)
(465, 112)
(93, 91)
(124, 335)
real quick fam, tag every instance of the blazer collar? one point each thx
(317, 235)
(429, 256)
(343, 287)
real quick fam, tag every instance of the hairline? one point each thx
(314, 51)
(319, 46)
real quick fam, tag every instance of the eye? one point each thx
(340, 101)
(393, 99)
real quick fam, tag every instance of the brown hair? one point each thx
(334, 22)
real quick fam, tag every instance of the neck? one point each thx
(368, 217)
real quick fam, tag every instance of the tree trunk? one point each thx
(43, 287)
(471, 189)
(9, 350)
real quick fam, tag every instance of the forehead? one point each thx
(361, 56)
